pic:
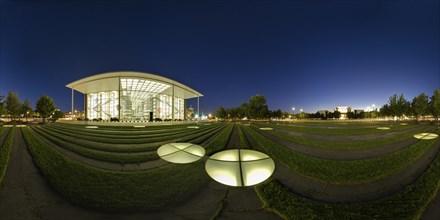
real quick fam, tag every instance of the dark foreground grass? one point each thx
(219, 143)
(408, 203)
(343, 171)
(5, 152)
(115, 191)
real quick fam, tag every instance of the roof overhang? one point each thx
(110, 81)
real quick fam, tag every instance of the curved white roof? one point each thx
(110, 81)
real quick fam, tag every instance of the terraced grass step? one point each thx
(344, 131)
(355, 143)
(116, 191)
(347, 171)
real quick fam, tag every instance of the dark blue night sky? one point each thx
(304, 54)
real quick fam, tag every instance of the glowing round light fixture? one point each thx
(266, 129)
(196, 127)
(426, 136)
(181, 152)
(383, 128)
(91, 126)
(139, 126)
(239, 167)
(403, 123)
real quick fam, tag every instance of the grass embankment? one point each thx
(149, 144)
(338, 131)
(5, 152)
(408, 203)
(115, 191)
(75, 144)
(352, 145)
(343, 171)
(219, 143)
(115, 139)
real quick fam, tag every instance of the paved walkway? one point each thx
(335, 154)
(432, 212)
(319, 190)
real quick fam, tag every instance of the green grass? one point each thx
(116, 140)
(338, 131)
(244, 144)
(149, 145)
(408, 203)
(116, 191)
(219, 143)
(349, 145)
(5, 153)
(343, 171)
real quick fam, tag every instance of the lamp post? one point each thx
(293, 111)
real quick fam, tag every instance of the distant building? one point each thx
(344, 110)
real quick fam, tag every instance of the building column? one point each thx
(85, 107)
(172, 105)
(119, 100)
(198, 106)
(72, 104)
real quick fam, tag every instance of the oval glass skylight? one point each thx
(181, 152)
(266, 129)
(91, 126)
(383, 128)
(239, 167)
(426, 136)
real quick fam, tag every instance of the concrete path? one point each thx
(335, 154)
(242, 202)
(319, 190)
(432, 212)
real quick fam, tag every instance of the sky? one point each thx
(311, 55)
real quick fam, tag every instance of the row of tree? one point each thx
(255, 108)
(15, 109)
(421, 105)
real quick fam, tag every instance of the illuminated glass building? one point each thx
(133, 96)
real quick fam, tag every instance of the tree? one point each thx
(398, 105)
(221, 112)
(45, 107)
(57, 114)
(257, 107)
(13, 105)
(2, 106)
(26, 108)
(420, 105)
(434, 104)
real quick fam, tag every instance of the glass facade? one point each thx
(138, 100)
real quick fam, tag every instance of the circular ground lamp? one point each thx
(181, 152)
(195, 127)
(403, 123)
(266, 129)
(426, 136)
(239, 167)
(383, 128)
(91, 126)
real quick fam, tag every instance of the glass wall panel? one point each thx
(139, 98)
(102, 105)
